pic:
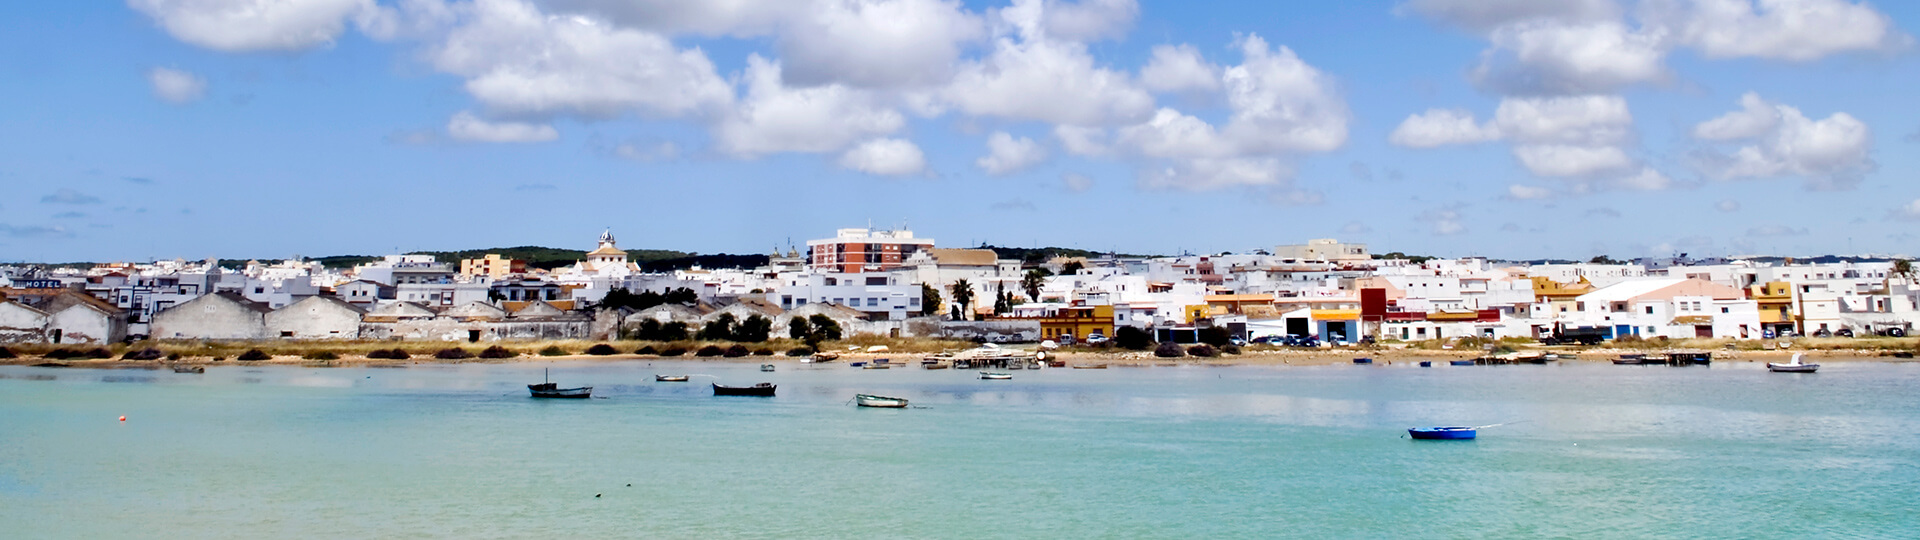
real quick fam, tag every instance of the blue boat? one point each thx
(1363, 360)
(856, 364)
(1424, 363)
(1461, 362)
(1451, 433)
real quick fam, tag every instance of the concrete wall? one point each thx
(78, 324)
(990, 331)
(314, 318)
(441, 329)
(210, 317)
(20, 324)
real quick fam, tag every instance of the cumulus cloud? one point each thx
(1009, 154)
(1089, 20)
(254, 25)
(69, 196)
(1480, 16)
(465, 126)
(1082, 141)
(1034, 78)
(176, 86)
(885, 157)
(1177, 68)
(517, 60)
(1797, 30)
(1831, 153)
(1280, 105)
(1441, 127)
(1076, 182)
(1527, 193)
(1908, 212)
(1542, 58)
(737, 18)
(877, 43)
(1443, 221)
(774, 117)
(1727, 205)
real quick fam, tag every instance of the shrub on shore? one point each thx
(453, 353)
(497, 351)
(321, 355)
(737, 351)
(1169, 350)
(398, 354)
(378, 354)
(253, 355)
(1231, 349)
(174, 356)
(1132, 338)
(553, 350)
(763, 351)
(1203, 350)
(799, 351)
(6, 353)
(710, 350)
(674, 351)
(602, 349)
(647, 350)
(144, 354)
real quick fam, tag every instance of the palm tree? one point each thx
(963, 295)
(1032, 283)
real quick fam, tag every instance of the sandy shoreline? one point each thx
(912, 360)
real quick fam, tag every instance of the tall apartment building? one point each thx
(864, 250)
(493, 266)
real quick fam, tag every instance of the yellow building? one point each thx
(1078, 322)
(492, 266)
(1775, 299)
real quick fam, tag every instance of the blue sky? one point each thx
(1509, 128)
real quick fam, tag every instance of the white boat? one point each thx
(991, 376)
(884, 402)
(1794, 366)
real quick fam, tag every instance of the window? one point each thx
(1649, 310)
(1725, 310)
(871, 302)
(914, 301)
(840, 301)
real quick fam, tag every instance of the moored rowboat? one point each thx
(996, 376)
(884, 402)
(1443, 433)
(762, 389)
(670, 378)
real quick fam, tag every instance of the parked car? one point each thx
(1096, 339)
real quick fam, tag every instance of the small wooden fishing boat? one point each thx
(1690, 358)
(934, 366)
(883, 360)
(766, 367)
(1056, 363)
(189, 369)
(928, 361)
(884, 402)
(669, 378)
(1793, 366)
(762, 389)
(1363, 360)
(1450, 433)
(1089, 366)
(856, 364)
(991, 376)
(1460, 363)
(1425, 363)
(550, 390)
(877, 366)
(1630, 360)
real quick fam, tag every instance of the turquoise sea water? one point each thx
(460, 451)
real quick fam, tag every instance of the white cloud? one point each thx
(1008, 154)
(1585, 120)
(1559, 59)
(520, 61)
(467, 127)
(1647, 179)
(1280, 107)
(1076, 182)
(739, 18)
(1036, 78)
(1089, 20)
(1443, 221)
(1441, 127)
(175, 86)
(1727, 205)
(1481, 16)
(885, 157)
(1797, 30)
(1908, 212)
(774, 117)
(1176, 68)
(1524, 193)
(1082, 141)
(254, 25)
(1830, 153)
(1562, 160)
(877, 43)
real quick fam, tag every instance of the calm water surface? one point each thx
(460, 451)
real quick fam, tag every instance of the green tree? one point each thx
(962, 295)
(798, 328)
(649, 330)
(682, 295)
(1032, 283)
(673, 331)
(825, 327)
(1132, 338)
(1217, 336)
(754, 329)
(719, 329)
(1071, 268)
(929, 299)
(1603, 259)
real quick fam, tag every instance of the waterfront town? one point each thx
(893, 283)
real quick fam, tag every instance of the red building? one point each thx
(863, 250)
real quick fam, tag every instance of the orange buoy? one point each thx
(123, 418)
